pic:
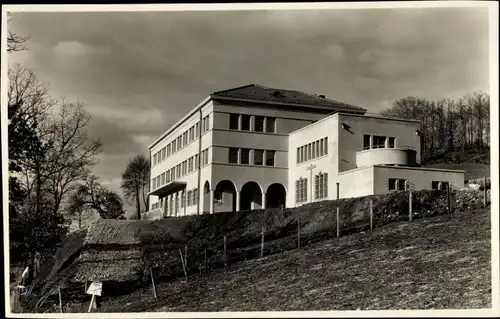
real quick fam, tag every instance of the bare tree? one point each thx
(135, 181)
(14, 41)
(92, 196)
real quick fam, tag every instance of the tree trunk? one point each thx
(138, 202)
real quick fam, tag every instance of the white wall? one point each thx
(351, 142)
(355, 183)
(421, 177)
(326, 127)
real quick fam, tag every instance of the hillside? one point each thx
(475, 163)
(435, 262)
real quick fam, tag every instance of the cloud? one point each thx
(75, 48)
(335, 51)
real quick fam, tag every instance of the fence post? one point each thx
(485, 193)
(186, 256)
(338, 209)
(298, 232)
(225, 252)
(448, 191)
(60, 299)
(153, 282)
(410, 207)
(262, 243)
(371, 215)
(183, 264)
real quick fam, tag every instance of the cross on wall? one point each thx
(310, 169)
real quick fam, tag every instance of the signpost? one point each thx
(95, 289)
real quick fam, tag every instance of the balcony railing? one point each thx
(379, 146)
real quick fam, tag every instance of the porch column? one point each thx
(371, 141)
(263, 200)
(212, 202)
(238, 198)
(164, 207)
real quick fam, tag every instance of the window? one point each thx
(184, 168)
(302, 154)
(168, 150)
(172, 173)
(396, 184)
(366, 142)
(325, 142)
(313, 150)
(301, 190)
(321, 186)
(439, 185)
(206, 123)
(190, 169)
(153, 184)
(195, 196)
(233, 121)
(154, 159)
(270, 158)
(259, 124)
(317, 148)
(179, 170)
(258, 157)
(196, 157)
(392, 142)
(163, 153)
(298, 155)
(379, 141)
(309, 152)
(196, 130)
(183, 199)
(233, 155)
(392, 184)
(245, 156)
(174, 147)
(245, 122)
(162, 181)
(205, 157)
(271, 125)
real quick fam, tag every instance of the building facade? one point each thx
(255, 147)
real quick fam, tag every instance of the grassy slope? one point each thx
(438, 262)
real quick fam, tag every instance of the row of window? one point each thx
(378, 142)
(179, 170)
(181, 141)
(244, 122)
(397, 184)
(248, 156)
(312, 150)
(321, 186)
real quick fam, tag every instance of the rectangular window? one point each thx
(245, 156)
(325, 185)
(183, 199)
(317, 148)
(168, 150)
(233, 121)
(321, 147)
(184, 138)
(153, 184)
(154, 159)
(270, 158)
(317, 187)
(195, 196)
(189, 194)
(191, 159)
(162, 182)
(208, 122)
(196, 161)
(179, 171)
(206, 157)
(258, 157)
(196, 130)
(304, 189)
(392, 142)
(392, 184)
(313, 150)
(163, 153)
(325, 142)
(233, 155)
(259, 124)
(298, 155)
(302, 154)
(174, 147)
(245, 122)
(172, 173)
(366, 142)
(379, 141)
(297, 191)
(271, 125)
(309, 152)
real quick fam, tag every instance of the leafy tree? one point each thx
(93, 197)
(135, 181)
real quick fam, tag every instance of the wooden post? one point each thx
(485, 193)
(153, 282)
(448, 195)
(410, 205)
(371, 215)
(338, 210)
(183, 265)
(338, 222)
(262, 243)
(86, 285)
(186, 256)
(225, 252)
(298, 232)
(91, 303)
(205, 265)
(60, 299)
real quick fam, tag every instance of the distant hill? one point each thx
(475, 162)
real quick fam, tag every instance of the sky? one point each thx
(139, 72)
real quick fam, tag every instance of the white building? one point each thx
(255, 147)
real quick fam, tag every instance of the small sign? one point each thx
(95, 289)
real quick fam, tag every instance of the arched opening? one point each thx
(275, 196)
(225, 197)
(251, 196)
(206, 198)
